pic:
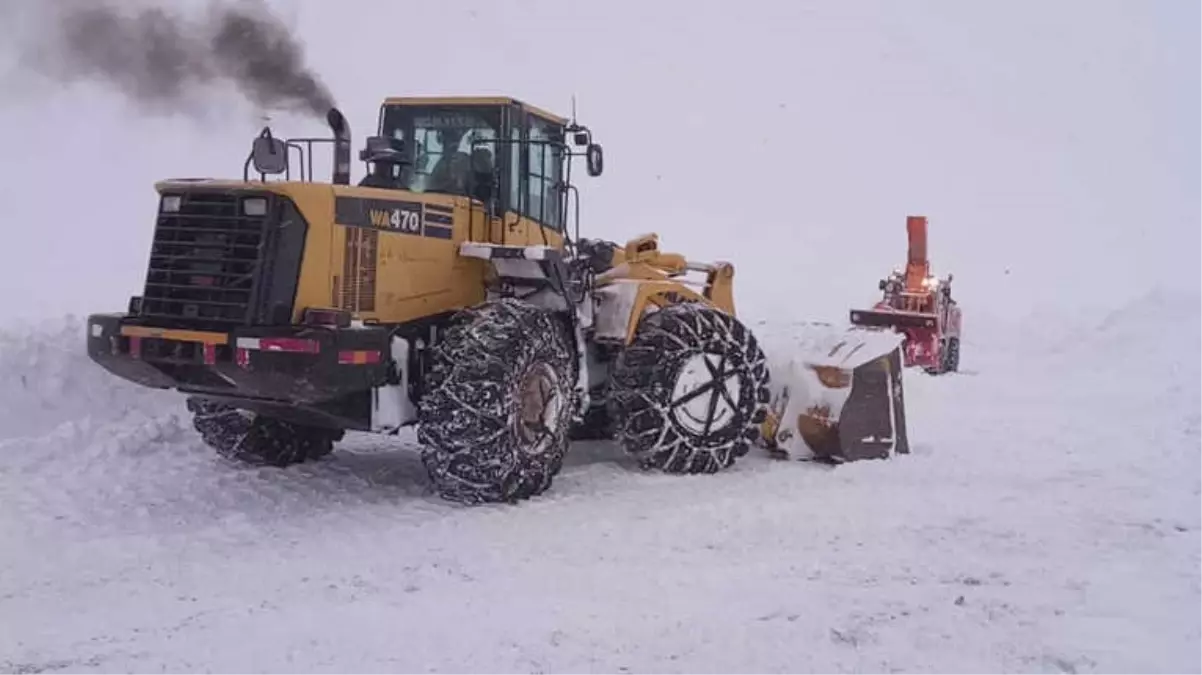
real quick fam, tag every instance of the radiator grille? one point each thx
(206, 260)
(359, 270)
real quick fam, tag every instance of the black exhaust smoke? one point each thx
(164, 61)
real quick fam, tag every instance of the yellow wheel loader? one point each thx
(444, 291)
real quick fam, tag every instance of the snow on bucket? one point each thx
(836, 393)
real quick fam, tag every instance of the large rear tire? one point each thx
(498, 408)
(690, 392)
(949, 357)
(245, 436)
(953, 355)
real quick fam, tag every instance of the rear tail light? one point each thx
(359, 357)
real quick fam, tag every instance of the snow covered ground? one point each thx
(1047, 521)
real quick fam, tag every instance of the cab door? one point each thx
(534, 210)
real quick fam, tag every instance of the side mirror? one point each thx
(595, 159)
(882, 284)
(270, 155)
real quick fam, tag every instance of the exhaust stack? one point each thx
(917, 266)
(342, 146)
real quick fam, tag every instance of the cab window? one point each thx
(544, 171)
(444, 146)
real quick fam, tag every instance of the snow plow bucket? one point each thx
(836, 395)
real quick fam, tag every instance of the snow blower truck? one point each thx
(445, 292)
(920, 307)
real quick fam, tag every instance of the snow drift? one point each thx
(47, 382)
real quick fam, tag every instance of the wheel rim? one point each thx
(539, 404)
(707, 394)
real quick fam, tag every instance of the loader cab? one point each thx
(510, 156)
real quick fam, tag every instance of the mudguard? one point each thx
(836, 394)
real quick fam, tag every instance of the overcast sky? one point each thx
(1054, 146)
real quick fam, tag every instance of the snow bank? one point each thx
(47, 379)
(1162, 326)
(86, 453)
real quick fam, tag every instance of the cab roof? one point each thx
(475, 100)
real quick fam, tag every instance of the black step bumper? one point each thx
(323, 373)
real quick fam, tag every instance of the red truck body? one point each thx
(919, 306)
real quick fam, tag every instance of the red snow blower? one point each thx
(920, 307)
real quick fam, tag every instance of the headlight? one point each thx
(254, 206)
(171, 203)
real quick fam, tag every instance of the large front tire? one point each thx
(249, 437)
(690, 392)
(495, 418)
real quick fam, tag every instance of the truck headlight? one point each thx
(170, 203)
(254, 206)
